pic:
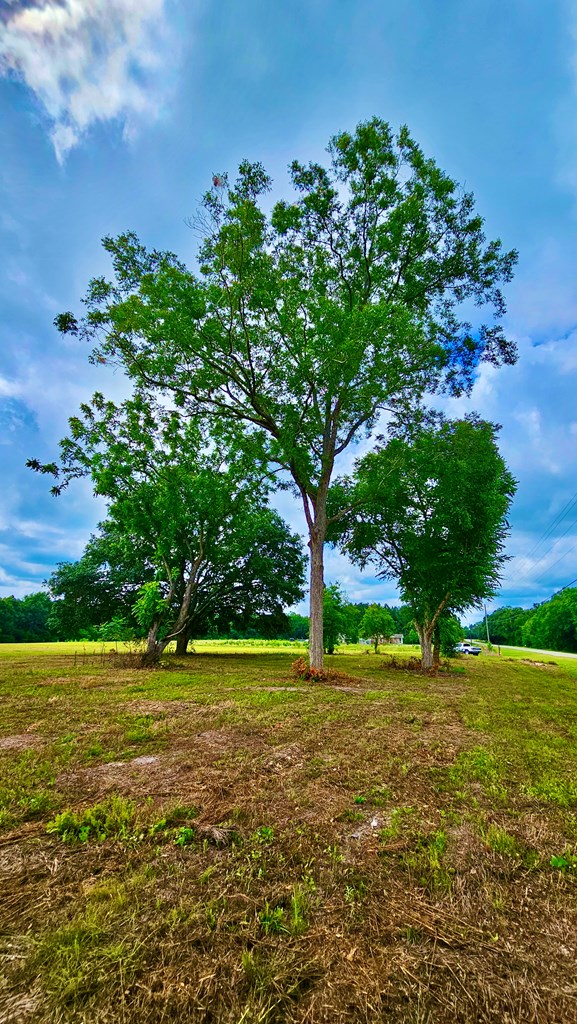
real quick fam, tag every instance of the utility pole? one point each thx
(487, 624)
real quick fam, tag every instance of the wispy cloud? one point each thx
(86, 60)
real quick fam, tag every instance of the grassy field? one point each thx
(217, 841)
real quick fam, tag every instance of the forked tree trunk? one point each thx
(428, 630)
(154, 646)
(179, 630)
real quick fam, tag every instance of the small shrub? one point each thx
(302, 670)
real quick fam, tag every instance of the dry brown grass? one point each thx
(358, 853)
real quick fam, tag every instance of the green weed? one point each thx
(185, 836)
(273, 920)
(567, 861)
(112, 819)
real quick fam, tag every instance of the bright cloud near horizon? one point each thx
(85, 61)
(141, 101)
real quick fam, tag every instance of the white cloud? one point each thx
(87, 61)
(16, 586)
(9, 388)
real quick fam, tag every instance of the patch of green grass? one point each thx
(98, 951)
(27, 785)
(480, 766)
(555, 790)
(399, 819)
(273, 920)
(424, 861)
(112, 819)
(507, 845)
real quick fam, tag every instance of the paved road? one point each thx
(533, 650)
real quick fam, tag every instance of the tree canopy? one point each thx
(196, 527)
(309, 316)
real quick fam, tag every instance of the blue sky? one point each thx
(114, 114)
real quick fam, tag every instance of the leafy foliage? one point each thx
(333, 616)
(305, 322)
(377, 625)
(551, 625)
(192, 528)
(429, 510)
(26, 620)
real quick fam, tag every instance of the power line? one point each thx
(558, 519)
(567, 585)
(557, 522)
(564, 555)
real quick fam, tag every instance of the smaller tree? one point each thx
(195, 515)
(429, 509)
(334, 616)
(448, 633)
(377, 625)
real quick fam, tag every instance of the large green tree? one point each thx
(308, 317)
(430, 512)
(197, 525)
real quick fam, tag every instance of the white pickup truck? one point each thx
(466, 647)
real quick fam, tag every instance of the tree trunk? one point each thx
(376, 645)
(437, 648)
(182, 642)
(317, 586)
(179, 630)
(154, 646)
(425, 638)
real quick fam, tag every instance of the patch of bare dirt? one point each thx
(283, 758)
(160, 707)
(174, 774)
(538, 664)
(219, 739)
(26, 741)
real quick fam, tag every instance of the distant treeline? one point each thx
(26, 620)
(37, 618)
(551, 625)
